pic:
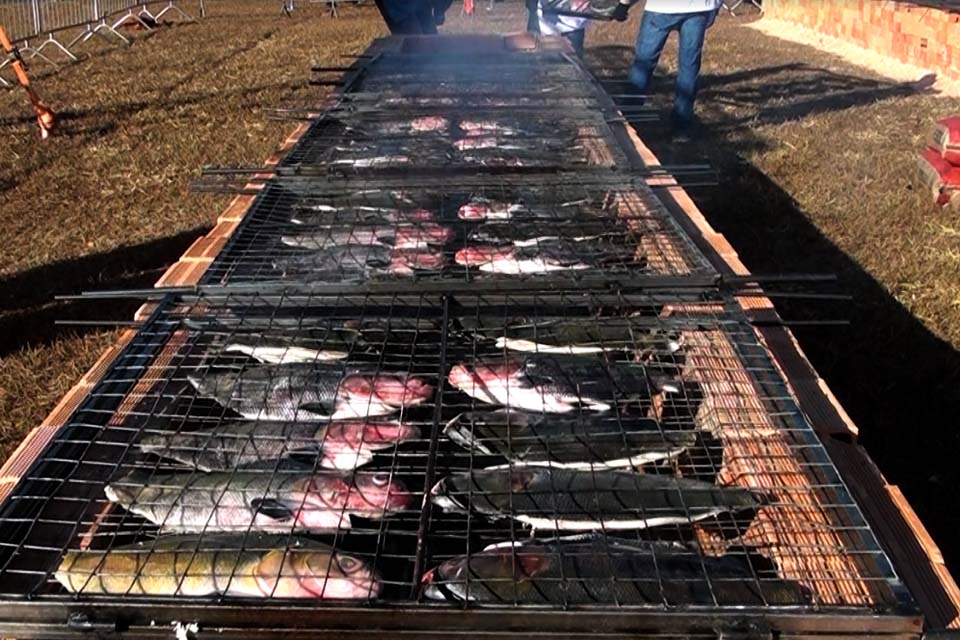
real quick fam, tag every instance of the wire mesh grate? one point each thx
(484, 232)
(432, 491)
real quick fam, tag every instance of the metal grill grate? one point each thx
(711, 359)
(487, 232)
(448, 450)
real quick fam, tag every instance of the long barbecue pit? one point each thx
(452, 397)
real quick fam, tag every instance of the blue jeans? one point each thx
(654, 31)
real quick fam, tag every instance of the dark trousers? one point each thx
(576, 39)
(417, 22)
(533, 21)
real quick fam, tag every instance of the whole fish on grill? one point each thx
(595, 569)
(483, 208)
(277, 500)
(276, 347)
(372, 162)
(241, 565)
(547, 255)
(487, 127)
(525, 234)
(250, 322)
(312, 391)
(357, 261)
(399, 236)
(550, 497)
(573, 441)
(326, 216)
(576, 336)
(422, 124)
(558, 384)
(339, 444)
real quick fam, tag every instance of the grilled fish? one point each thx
(580, 336)
(595, 569)
(373, 162)
(311, 391)
(481, 208)
(270, 500)
(341, 444)
(352, 261)
(546, 255)
(398, 236)
(526, 234)
(485, 142)
(328, 215)
(250, 566)
(557, 384)
(548, 497)
(487, 127)
(316, 345)
(485, 209)
(573, 441)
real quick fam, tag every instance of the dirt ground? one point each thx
(815, 159)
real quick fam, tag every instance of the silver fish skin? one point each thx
(555, 254)
(596, 569)
(345, 444)
(549, 383)
(582, 441)
(269, 500)
(578, 336)
(552, 498)
(357, 262)
(344, 216)
(398, 236)
(312, 391)
(243, 565)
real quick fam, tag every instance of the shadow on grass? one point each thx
(27, 308)
(899, 382)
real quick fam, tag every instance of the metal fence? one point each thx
(39, 26)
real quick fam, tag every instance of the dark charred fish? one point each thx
(270, 500)
(357, 261)
(573, 441)
(558, 384)
(340, 444)
(548, 497)
(597, 569)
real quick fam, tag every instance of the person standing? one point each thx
(690, 19)
(408, 17)
(574, 29)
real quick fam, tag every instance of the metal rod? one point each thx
(431, 459)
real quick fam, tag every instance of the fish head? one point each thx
(219, 386)
(392, 390)
(474, 210)
(314, 573)
(359, 434)
(423, 234)
(429, 123)
(372, 495)
(476, 256)
(502, 574)
(379, 492)
(409, 261)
